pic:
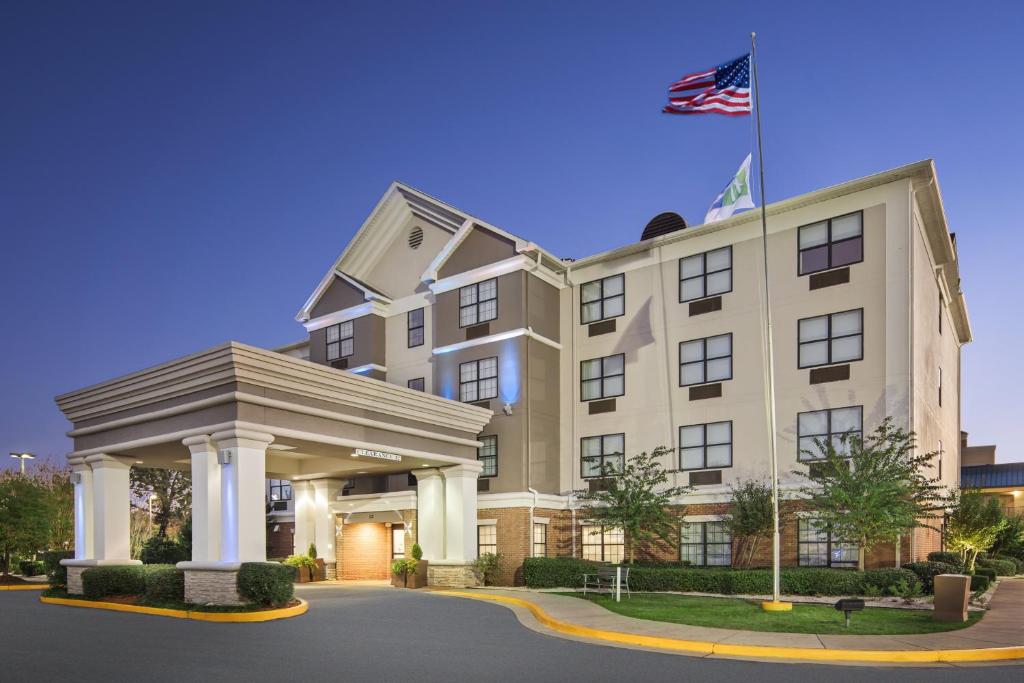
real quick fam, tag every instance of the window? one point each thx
(816, 547)
(602, 299)
(397, 542)
(339, 340)
(705, 360)
(827, 426)
(834, 338)
(414, 320)
(601, 452)
(938, 458)
(280, 489)
(603, 377)
(487, 454)
(478, 380)
(707, 274)
(706, 544)
(540, 539)
(942, 308)
(478, 302)
(602, 544)
(486, 539)
(940, 386)
(705, 446)
(419, 384)
(832, 243)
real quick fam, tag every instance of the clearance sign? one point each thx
(380, 455)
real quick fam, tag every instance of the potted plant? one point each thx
(410, 572)
(304, 567)
(320, 568)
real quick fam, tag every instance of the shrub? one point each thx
(403, 566)
(417, 552)
(979, 583)
(312, 551)
(1019, 562)
(56, 573)
(31, 567)
(299, 561)
(266, 583)
(99, 582)
(948, 558)
(927, 571)
(889, 579)
(163, 583)
(987, 572)
(821, 581)
(555, 572)
(163, 550)
(1001, 567)
(486, 566)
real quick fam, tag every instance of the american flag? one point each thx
(724, 89)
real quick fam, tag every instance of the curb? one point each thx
(700, 647)
(23, 587)
(220, 617)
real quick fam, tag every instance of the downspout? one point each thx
(572, 408)
(529, 443)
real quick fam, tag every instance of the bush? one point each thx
(987, 572)
(31, 567)
(163, 583)
(56, 573)
(417, 552)
(979, 583)
(99, 582)
(948, 558)
(889, 580)
(298, 561)
(1001, 567)
(556, 572)
(486, 566)
(266, 583)
(163, 550)
(927, 571)
(312, 551)
(1019, 562)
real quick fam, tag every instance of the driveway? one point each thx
(365, 633)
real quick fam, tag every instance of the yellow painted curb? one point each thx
(753, 651)
(23, 587)
(776, 606)
(220, 617)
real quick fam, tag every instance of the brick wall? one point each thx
(364, 551)
(513, 542)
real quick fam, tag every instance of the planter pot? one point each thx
(419, 578)
(302, 575)
(398, 580)
(321, 570)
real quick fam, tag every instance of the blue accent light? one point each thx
(508, 371)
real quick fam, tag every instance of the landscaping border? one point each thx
(698, 647)
(195, 615)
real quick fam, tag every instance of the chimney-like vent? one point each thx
(663, 224)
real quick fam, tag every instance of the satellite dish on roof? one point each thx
(662, 224)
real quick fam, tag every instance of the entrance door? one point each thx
(397, 542)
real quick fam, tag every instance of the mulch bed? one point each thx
(10, 580)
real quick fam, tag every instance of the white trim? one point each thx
(430, 274)
(369, 294)
(541, 520)
(367, 367)
(491, 270)
(694, 519)
(394, 501)
(486, 522)
(499, 336)
(346, 314)
(522, 499)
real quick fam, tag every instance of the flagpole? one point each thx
(776, 604)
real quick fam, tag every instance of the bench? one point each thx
(604, 579)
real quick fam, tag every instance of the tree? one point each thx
(56, 482)
(24, 517)
(635, 502)
(873, 489)
(973, 525)
(172, 491)
(751, 517)
(1010, 539)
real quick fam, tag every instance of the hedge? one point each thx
(163, 550)
(164, 583)
(1001, 567)
(927, 571)
(987, 572)
(56, 573)
(980, 583)
(1010, 558)
(562, 572)
(948, 558)
(266, 583)
(31, 567)
(99, 582)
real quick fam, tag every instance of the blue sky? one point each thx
(175, 175)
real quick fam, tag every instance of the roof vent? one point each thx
(662, 224)
(415, 237)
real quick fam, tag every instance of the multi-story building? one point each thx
(436, 337)
(658, 343)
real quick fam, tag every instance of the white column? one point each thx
(205, 499)
(243, 457)
(111, 509)
(460, 511)
(305, 507)
(430, 512)
(325, 491)
(81, 475)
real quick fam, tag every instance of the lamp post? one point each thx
(23, 457)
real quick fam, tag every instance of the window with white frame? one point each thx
(705, 446)
(602, 544)
(818, 547)
(478, 380)
(414, 322)
(280, 489)
(704, 275)
(487, 454)
(832, 338)
(601, 454)
(705, 544)
(486, 539)
(705, 360)
(603, 377)
(603, 299)
(829, 244)
(478, 302)
(540, 539)
(339, 340)
(828, 426)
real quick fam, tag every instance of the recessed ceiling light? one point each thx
(280, 447)
(361, 472)
(138, 462)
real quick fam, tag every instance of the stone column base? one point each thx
(75, 580)
(76, 568)
(331, 570)
(451, 575)
(211, 583)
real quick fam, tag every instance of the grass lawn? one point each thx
(734, 613)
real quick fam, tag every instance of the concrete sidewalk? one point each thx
(1001, 628)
